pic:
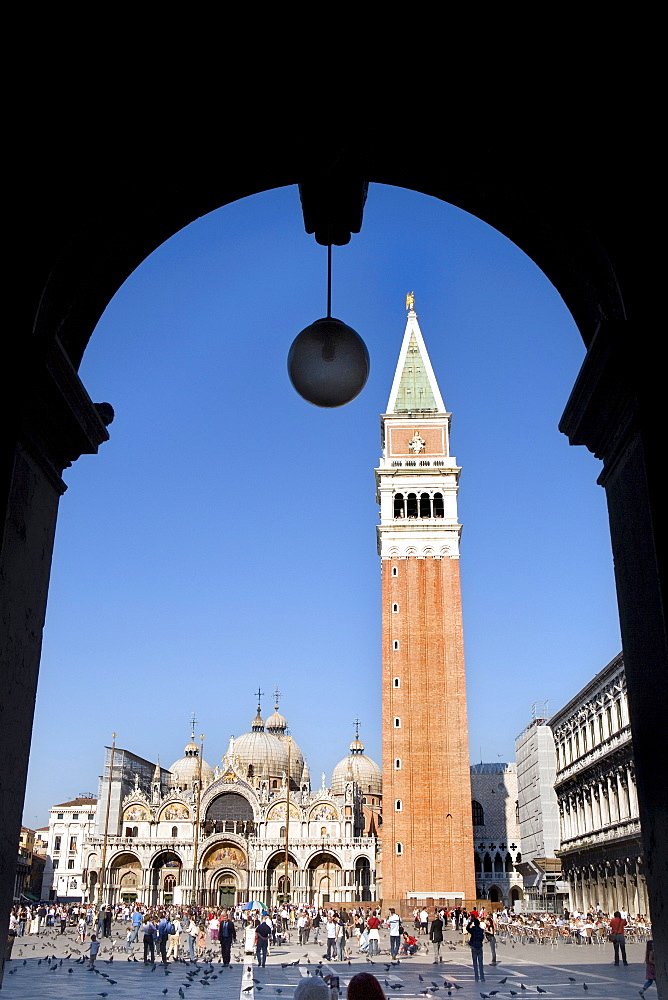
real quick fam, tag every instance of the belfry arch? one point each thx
(572, 212)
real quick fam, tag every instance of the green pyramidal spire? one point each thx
(414, 388)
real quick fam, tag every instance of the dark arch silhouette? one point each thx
(563, 190)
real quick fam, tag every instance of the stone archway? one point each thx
(551, 196)
(124, 876)
(324, 879)
(165, 876)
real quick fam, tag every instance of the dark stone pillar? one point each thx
(617, 409)
(57, 423)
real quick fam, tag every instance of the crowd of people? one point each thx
(173, 933)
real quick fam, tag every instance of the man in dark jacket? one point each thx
(476, 938)
(436, 936)
(226, 935)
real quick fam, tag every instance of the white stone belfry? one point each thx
(417, 478)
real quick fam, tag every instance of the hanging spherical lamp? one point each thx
(328, 362)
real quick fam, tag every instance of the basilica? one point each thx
(251, 828)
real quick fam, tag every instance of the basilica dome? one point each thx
(260, 753)
(277, 725)
(363, 770)
(185, 770)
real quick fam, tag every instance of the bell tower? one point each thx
(427, 823)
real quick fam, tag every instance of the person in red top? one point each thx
(617, 925)
(410, 945)
(373, 923)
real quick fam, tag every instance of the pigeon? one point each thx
(539, 990)
(505, 980)
(165, 991)
(584, 986)
(421, 978)
(572, 979)
(522, 986)
(70, 971)
(112, 982)
(513, 993)
(181, 993)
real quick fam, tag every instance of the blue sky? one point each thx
(224, 538)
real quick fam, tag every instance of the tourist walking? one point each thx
(192, 937)
(476, 938)
(92, 951)
(436, 936)
(394, 925)
(617, 936)
(149, 940)
(373, 923)
(490, 936)
(226, 935)
(650, 968)
(262, 935)
(331, 938)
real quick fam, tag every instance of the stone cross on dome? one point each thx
(193, 723)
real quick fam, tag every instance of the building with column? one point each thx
(251, 827)
(601, 848)
(427, 829)
(65, 870)
(496, 831)
(538, 815)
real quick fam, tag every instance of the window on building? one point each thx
(175, 831)
(618, 709)
(577, 744)
(398, 511)
(399, 848)
(509, 863)
(73, 843)
(70, 863)
(128, 833)
(584, 739)
(570, 749)
(282, 833)
(395, 571)
(397, 763)
(75, 815)
(478, 814)
(397, 805)
(56, 843)
(395, 644)
(477, 863)
(59, 816)
(55, 864)
(412, 505)
(600, 728)
(397, 722)
(396, 682)
(608, 716)
(395, 608)
(425, 505)
(487, 863)
(91, 815)
(438, 505)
